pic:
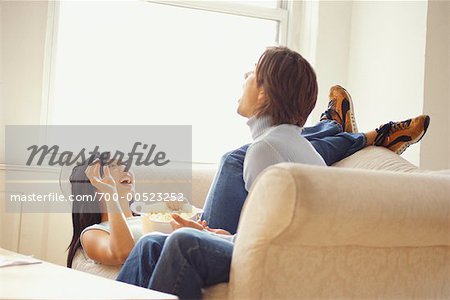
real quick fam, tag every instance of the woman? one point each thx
(105, 230)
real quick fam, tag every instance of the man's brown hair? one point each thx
(290, 85)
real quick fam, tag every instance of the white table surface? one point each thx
(50, 281)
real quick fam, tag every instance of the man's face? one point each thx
(252, 96)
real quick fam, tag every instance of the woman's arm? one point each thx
(108, 248)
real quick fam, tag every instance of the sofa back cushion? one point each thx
(315, 232)
(377, 158)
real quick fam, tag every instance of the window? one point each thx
(136, 62)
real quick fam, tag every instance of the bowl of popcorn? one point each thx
(157, 216)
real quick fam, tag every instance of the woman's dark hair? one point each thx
(290, 85)
(84, 213)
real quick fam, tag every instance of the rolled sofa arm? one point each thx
(308, 232)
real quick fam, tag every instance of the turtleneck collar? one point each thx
(259, 125)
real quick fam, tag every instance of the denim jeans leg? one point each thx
(322, 129)
(227, 194)
(191, 259)
(337, 147)
(331, 142)
(141, 261)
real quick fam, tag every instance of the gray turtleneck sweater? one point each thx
(276, 144)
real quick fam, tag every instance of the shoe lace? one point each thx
(330, 111)
(331, 103)
(401, 125)
(383, 132)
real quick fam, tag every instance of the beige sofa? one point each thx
(339, 232)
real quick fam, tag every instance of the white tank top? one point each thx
(134, 223)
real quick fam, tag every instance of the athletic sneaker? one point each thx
(397, 136)
(340, 109)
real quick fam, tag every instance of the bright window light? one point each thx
(263, 3)
(142, 63)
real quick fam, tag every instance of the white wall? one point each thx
(393, 57)
(386, 63)
(23, 29)
(332, 50)
(2, 135)
(23, 40)
(435, 147)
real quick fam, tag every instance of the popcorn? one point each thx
(166, 217)
(157, 217)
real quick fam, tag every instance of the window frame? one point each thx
(279, 14)
(287, 13)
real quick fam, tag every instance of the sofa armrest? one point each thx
(293, 212)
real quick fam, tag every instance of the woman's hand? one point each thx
(105, 184)
(175, 204)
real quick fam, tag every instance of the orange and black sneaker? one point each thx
(340, 109)
(397, 136)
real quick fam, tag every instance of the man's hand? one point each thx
(180, 222)
(218, 231)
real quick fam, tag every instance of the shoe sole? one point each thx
(352, 113)
(416, 140)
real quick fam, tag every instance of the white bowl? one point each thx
(151, 221)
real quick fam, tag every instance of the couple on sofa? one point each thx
(277, 98)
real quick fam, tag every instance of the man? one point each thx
(277, 99)
(334, 138)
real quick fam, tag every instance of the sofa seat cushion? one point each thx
(82, 263)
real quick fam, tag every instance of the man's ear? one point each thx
(262, 98)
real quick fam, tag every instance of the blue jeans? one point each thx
(188, 260)
(227, 194)
(180, 264)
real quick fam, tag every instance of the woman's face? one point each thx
(124, 180)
